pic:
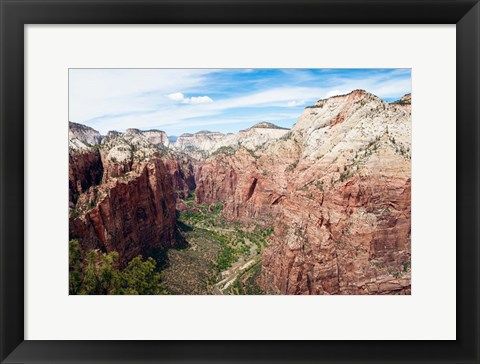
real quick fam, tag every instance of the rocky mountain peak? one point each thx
(266, 125)
(82, 136)
(157, 137)
(355, 95)
(337, 109)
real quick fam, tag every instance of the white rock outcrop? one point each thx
(82, 137)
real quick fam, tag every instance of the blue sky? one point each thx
(227, 100)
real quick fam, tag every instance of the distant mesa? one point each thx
(266, 125)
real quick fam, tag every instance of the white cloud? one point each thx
(179, 97)
(270, 97)
(200, 100)
(98, 92)
(150, 98)
(295, 103)
(176, 96)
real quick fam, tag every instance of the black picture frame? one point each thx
(16, 13)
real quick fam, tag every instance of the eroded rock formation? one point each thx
(131, 215)
(125, 193)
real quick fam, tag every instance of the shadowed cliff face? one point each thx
(337, 190)
(84, 170)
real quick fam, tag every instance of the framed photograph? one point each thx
(239, 181)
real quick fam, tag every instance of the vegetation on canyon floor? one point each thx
(219, 257)
(220, 254)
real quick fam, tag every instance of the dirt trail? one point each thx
(213, 242)
(230, 275)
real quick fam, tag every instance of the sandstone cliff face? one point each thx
(157, 137)
(239, 182)
(199, 144)
(252, 138)
(337, 188)
(130, 215)
(238, 173)
(353, 239)
(130, 205)
(205, 143)
(345, 225)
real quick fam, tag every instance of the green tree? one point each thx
(75, 266)
(95, 273)
(90, 281)
(140, 277)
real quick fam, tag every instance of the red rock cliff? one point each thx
(130, 215)
(337, 189)
(241, 182)
(132, 210)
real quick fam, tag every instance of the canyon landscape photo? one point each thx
(239, 181)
